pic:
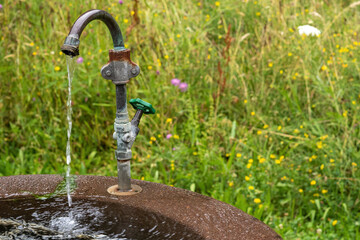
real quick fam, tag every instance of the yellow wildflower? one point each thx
(252, 113)
(301, 191)
(57, 68)
(176, 136)
(153, 139)
(324, 191)
(334, 222)
(217, 3)
(257, 200)
(126, 20)
(247, 178)
(354, 164)
(322, 167)
(324, 137)
(251, 188)
(313, 182)
(238, 155)
(169, 120)
(231, 184)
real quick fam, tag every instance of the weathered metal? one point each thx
(72, 42)
(120, 69)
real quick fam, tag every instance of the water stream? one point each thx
(70, 61)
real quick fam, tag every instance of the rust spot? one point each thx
(123, 55)
(123, 161)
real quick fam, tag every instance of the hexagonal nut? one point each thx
(126, 138)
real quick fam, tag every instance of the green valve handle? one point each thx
(139, 104)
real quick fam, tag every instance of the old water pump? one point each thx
(119, 70)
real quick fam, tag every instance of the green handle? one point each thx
(139, 104)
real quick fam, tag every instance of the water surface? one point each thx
(86, 219)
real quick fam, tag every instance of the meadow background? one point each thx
(269, 122)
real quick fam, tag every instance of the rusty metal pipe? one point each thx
(72, 42)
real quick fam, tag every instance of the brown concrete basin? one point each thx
(176, 213)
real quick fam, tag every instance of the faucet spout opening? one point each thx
(72, 42)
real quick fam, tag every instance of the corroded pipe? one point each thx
(72, 42)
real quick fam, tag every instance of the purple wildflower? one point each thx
(183, 86)
(86, 99)
(168, 136)
(175, 82)
(174, 149)
(157, 72)
(34, 99)
(121, 1)
(80, 60)
(0, 6)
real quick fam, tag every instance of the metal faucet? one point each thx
(119, 70)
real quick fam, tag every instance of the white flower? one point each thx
(308, 30)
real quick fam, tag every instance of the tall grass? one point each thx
(269, 123)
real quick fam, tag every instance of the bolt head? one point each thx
(108, 73)
(134, 71)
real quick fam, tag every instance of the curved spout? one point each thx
(71, 44)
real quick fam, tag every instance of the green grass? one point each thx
(266, 113)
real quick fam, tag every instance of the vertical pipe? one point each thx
(121, 104)
(123, 166)
(124, 175)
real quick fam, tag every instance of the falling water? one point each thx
(70, 68)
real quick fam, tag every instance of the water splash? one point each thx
(70, 61)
